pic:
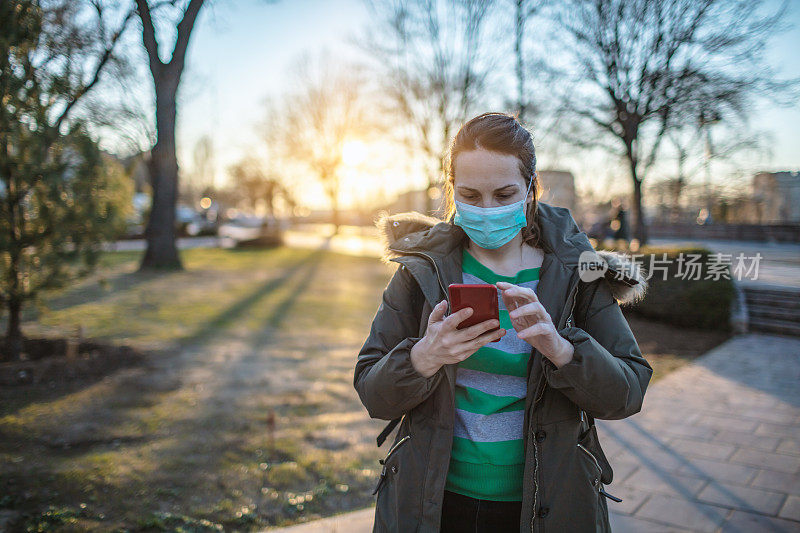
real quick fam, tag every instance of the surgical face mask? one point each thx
(492, 227)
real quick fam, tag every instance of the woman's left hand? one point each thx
(533, 324)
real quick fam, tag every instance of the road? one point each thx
(779, 263)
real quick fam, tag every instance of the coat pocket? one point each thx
(390, 467)
(605, 474)
(598, 471)
(591, 445)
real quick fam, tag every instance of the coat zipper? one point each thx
(573, 290)
(573, 297)
(435, 267)
(584, 421)
(393, 448)
(596, 463)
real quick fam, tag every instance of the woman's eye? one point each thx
(504, 196)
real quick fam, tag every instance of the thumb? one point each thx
(437, 314)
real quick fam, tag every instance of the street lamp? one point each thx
(706, 120)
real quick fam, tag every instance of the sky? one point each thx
(246, 48)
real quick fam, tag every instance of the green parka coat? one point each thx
(565, 468)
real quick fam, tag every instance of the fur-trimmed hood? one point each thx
(414, 232)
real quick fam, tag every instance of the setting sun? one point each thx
(354, 152)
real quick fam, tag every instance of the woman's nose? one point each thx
(490, 203)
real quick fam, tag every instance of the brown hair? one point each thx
(502, 133)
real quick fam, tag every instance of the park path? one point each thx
(716, 447)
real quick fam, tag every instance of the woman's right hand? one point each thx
(444, 343)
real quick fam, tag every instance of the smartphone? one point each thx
(482, 298)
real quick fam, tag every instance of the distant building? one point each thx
(414, 200)
(776, 197)
(558, 188)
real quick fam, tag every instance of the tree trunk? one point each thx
(13, 342)
(336, 216)
(640, 228)
(162, 252)
(520, 65)
(12, 347)
(430, 203)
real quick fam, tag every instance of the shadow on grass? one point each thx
(98, 292)
(13, 399)
(194, 447)
(205, 332)
(16, 398)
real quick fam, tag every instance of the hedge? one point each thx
(696, 303)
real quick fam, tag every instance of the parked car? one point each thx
(246, 230)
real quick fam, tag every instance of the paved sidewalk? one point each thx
(715, 448)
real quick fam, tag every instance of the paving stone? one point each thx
(683, 513)
(611, 447)
(626, 433)
(709, 450)
(744, 522)
(719, 422)
(778, 430)
(744, 498)
(654, 459)
(632, 498)
(773, 461)
(686, 430)
(623, 469)
(355, 522)
(748, 440)
(775, 415)
(621, 523)
(777, 481)
(791, 509)
(719, 470)
(665, 483)
(790, 446)
(654, 412)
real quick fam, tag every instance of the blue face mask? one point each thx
(492, 227)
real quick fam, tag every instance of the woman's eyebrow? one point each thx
(497, 189)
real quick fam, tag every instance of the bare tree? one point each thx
(257, 186)
(648, 66)
(163, 163)
(524, 10)
(432, 59)
(311, 124)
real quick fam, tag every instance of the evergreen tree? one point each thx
(60, 198)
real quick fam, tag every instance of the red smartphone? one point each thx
(482, 298)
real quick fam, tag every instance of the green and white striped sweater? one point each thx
(487, 457)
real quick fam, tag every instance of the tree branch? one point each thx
(184, 32)
(104, 58)
(149, 36)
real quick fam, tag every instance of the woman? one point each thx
(496, 428)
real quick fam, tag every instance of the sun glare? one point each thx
(353, 153)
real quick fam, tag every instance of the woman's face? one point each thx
(487, 179)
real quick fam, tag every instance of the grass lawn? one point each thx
(244, 416)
